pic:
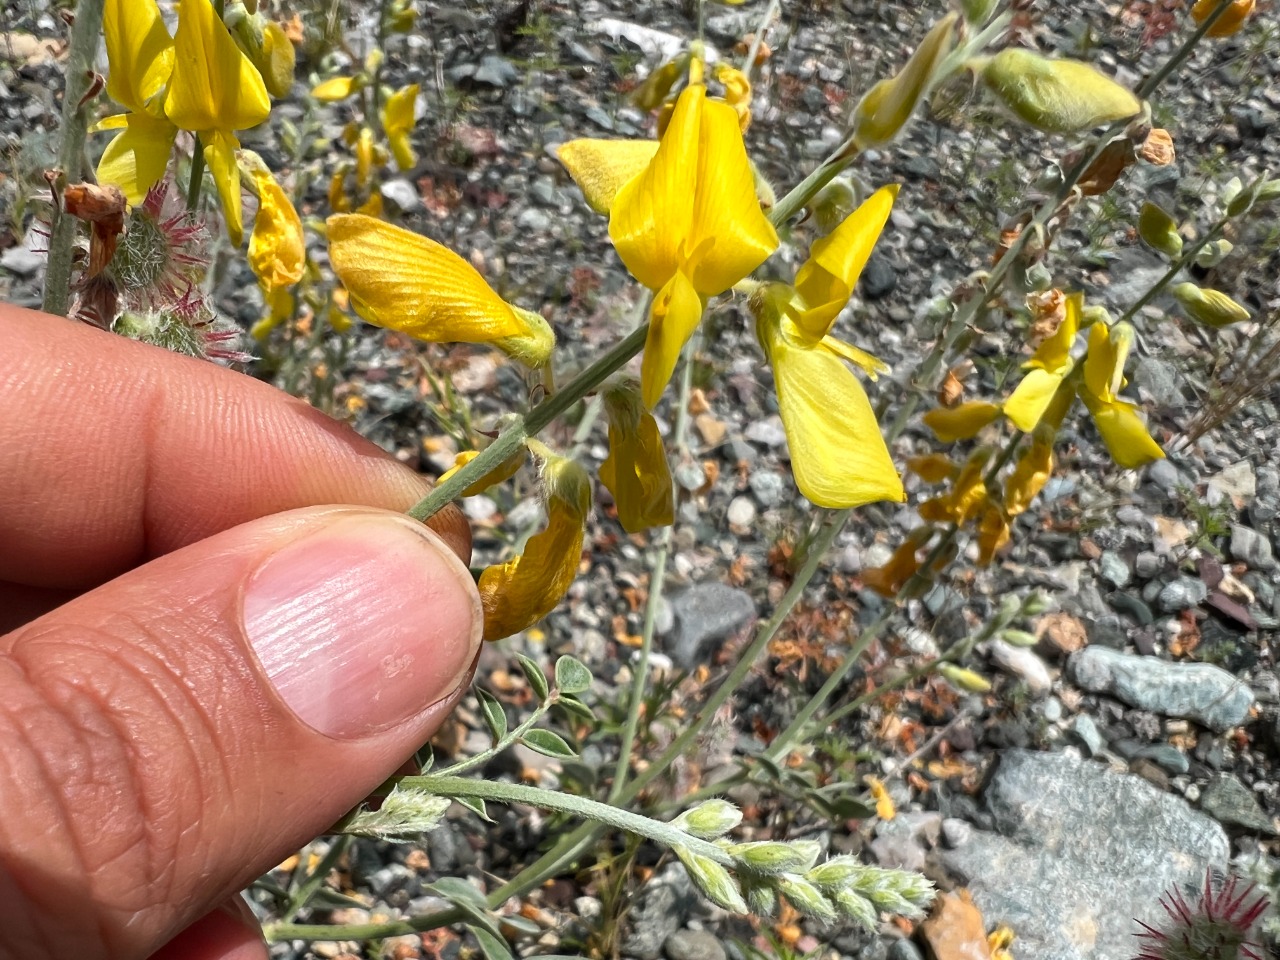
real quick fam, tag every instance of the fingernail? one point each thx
(363, 624)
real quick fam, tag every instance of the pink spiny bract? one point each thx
(1217, 927)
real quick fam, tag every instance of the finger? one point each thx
(173, 734)
(116, 452)
(230, 932)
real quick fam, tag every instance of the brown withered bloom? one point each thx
(1158, 149)
(1048, 309)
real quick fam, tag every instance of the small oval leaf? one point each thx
(476, 806)
(548, 743)
(537, 679)
(572, 676)
(576, 708)
(495, 717)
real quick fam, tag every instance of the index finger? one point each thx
(115, 452)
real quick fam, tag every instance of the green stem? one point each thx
(1188, 254)
(529, 425)
(485, 755)
(610, 816)
(303, 893)
(79, 74)
(196, 182)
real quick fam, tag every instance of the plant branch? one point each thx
(81, 56)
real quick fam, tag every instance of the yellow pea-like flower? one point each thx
(277, 250)
(1046, 370)
(214, 91)
(689, 226)
(993, 532)
(1031, 472)
(1117, 420)
(398, 119)
(901, 566)
(517, 594)
(933, 467)
(140, 56)
(885, 808)
(1213, 308)
(403, 281)
(967, 495)
(278, 60)
(499, 474)
(1229, 23)
(961, 422)
(636, 471)
(1056, 95)
(336, 88)
(737, 92)
(887, 106)
(600, 168)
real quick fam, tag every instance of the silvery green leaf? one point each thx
(537, 679)
(547, 743)
(495, 717)
(572, 676)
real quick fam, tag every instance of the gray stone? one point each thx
(1077, 852)
(1251, 547)
(1113, 569)
(693, 945)
(767, 432)
(704, 614)
(659, 910)
(1164, 475)
(1233, 804)
(21, 261)
(1147, 564)
(1194, 691)
(768, 487)
(534, 220)
(496, 71)
(1022, 663)
(1053, 710)
(1086, 731)
(1182, 594)
(402, 195)
(904, 950)
(1167, 757)
(878, 278)
(956, 832)
(1159, 378)
(741, 512)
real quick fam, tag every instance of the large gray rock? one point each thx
(660, 909)
(704, 614)
(1078, 853)
(1194, 691)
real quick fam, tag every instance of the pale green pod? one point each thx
(1210, 307)
(1159, 231)
(1057, 96)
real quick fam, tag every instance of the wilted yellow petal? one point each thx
(993, 533)
(214, 86)
(961, 422)
(966, 496)
(1054, 353)
(220, 156)
(933, 467)
(1029, 475)
(636, 470)
(137, 158)
(838, 454)
(887, 106)
(517, 594)
(398, 118)
(601, 167)
(826, 280)
(674, 316)
(1123, 432)
(737, 92)
(499, 474)
(277, 252)
(901, 567)
(406, 282)
(278, 60)
(334, 89)
(885, 809)
(139, 54)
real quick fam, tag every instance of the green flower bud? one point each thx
(806, 898)
(1095, 314)
(856, 909)
(834, 202)
(1018, 638)
(771, 858)
(713, 880)
(1057, 96)
(709, 819)
(1035, 604)
(836, 873)
(1010, 607)
(1230, 190)
(1210, 307)
(964, 678)
(1212, 254)
(978, 12)
(761, 899)
(1159, 231)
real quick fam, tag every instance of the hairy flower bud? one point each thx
(709, 820)
(1212, 254)
(1057, 96)
(715, 882)
(772, 858)
(1159, 231)
(1210, 307)
(965, 679)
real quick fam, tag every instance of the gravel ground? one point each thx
(1132, 748)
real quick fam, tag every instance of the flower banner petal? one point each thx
(214, 85)
(960, 422)
(600, 168)
(139, 53)
(1123, 432)
(136, 159)
(220, 155)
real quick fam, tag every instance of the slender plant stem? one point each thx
(86, 32)
(749, 62)
(306, 890)
(1188, 254)
(485, 755)
(196, 182)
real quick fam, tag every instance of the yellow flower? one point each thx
(277, 251)
(499, 474)
(888, 105)
(1117, 420)
(1030, 474)
(933, 467)
(737, 92)
(1213, 308)
(967, 496)
(885, 808)
(140, 59)
(277, 61)
(901, 567)
(519, 593)
(960, 422)
(405, 282)
(336, 88)
(397, 123)
(689, 227)
(600, 168)
(214, 91)
(1046, 369)
(993, 532)
(636, 470)
(1227, 24)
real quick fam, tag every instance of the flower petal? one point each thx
(136, 159)
(214, 85)
(220, 155)
(1055, 353)
(406, 282)
(277, 253)
(398, 118)
(674, 316)
(601, 167)
(1123, 432)
(870, 365)
(1029, 475)
(1031, 397)
(838, 454)
(637, 474)
(826, 280)
(499, 474)
(334, 89)
(961, 422)
(139, 53)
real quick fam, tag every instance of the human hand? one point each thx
(205, 666)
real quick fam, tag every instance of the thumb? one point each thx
(171, 735)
